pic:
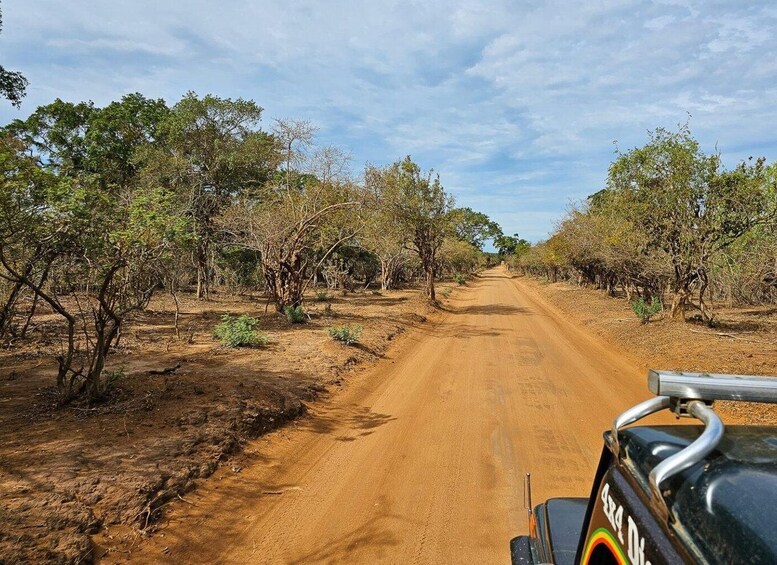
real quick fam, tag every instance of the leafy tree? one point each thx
(420, 206)
(92, 256)
(457, 256)
(25, 188)
(56, 135)
(687, 205)
(608, 250)
(296, 227)
(13, 85)
(510, 245)
(382, 234)
(119, 135)
(209, 152)
(70, 144)
(80, 139)
(473, 227)
(78, 231)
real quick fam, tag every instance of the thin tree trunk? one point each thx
(430, 292)
(177, 313)
(8, 310)
(203, 278)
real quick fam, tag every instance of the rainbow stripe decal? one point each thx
(603, 536)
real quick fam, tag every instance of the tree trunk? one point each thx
(203, 278)
(679, 301)
(66, 375)
(384, 282)
(706, 312)
(285, 282)
(388, 273)
(430, 292)
(9, 308)
(177, 313)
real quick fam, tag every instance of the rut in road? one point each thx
(421, 459)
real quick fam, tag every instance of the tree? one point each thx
(473, 227)
(293, 138)
(457, 256)
(55, 134)
(687, 205)
(119, 135)
(78, 230)
(209, 152)
(25, 185)
(510, 245)
(382, 235)
(40, 152)
(296, 226)
(75, 139)
(420, 206)
(92, 256)
(13, 85)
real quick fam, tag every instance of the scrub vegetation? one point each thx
(672, 226)
(103, 207)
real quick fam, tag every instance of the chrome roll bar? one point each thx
(641, 410)
(691, 395)
(695, 452)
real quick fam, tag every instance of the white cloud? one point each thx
(516, 104)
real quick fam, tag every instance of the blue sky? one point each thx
(516, 104)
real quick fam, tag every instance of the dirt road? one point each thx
(421, 459)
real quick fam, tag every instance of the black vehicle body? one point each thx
(720, 509)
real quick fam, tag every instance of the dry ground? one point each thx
(421, 458)
(417, 458)
(743, 341)
(68, 473)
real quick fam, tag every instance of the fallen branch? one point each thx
(732, 336)
(182, 499)
(166, 370)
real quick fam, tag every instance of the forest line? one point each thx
(103, 207)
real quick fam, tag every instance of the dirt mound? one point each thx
(128, 479)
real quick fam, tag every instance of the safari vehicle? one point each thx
(670, 494)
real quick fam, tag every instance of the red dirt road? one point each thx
(421, 458)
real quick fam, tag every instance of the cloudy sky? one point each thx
(516, 103)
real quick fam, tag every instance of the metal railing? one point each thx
(690, 395)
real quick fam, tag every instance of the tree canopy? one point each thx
(13, 84)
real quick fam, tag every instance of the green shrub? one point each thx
(294, 315)
(459, 278)
(112, 379)
(323, 296)
(346, 334)
(446, 292)
(645, 311)
(240, 331)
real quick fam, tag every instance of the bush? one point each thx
(459, 279)
(645, 311)
(446, 292)
(346, 334)
(323, 296)
(294, 315)
(112, 380)
(240, 331)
